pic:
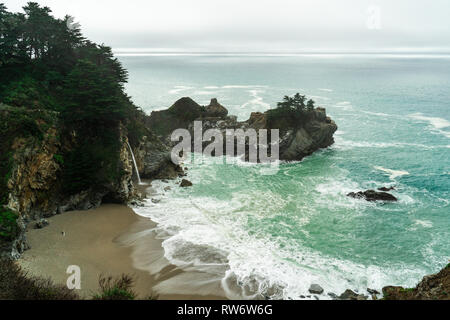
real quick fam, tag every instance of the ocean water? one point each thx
(273, 236)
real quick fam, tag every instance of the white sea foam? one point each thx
(205, 93)
(344, 105)
(243, 87)
(179, 89)
(257, 101)
(209, 238)
(326, 90)
(392, 173)
(344, 144)
(248, 267)
(437, 124)
(380, 114)
(423, 223)
(319, 98)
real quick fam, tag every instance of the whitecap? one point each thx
(242, 86)
(423, 223)
(379, 114)
(179, 89)
(393, 173)
(256, 101)
(345, 105)
(436, 123)
(326, 90)
(319, 98)
(345, 144)
(205, 93)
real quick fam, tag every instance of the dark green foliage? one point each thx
(17, 285)
(59, 159)
(8, 225)
(136, 126)
(294, 111)
(93, 95)
(6, 163)
(116, 289)
(46, 64)
(90, 165)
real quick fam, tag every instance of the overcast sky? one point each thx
(260, 25)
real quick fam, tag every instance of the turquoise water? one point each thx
(297, 227)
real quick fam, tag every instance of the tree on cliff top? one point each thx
(46, 63)
(293, 111)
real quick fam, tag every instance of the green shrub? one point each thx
(291, 112)
(27, 92)
(115, 288)
(8, 225)
(58, 158)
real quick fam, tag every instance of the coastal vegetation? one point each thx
(16, 284)
(119, 288)
(294, 111)
(48, 68)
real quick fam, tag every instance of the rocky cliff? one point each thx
(34, 187)
(296, 141)
(432, 287)
(34, 166)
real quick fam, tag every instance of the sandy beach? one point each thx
(100, 242)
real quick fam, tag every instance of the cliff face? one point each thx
(33, 185)
(432, 287)
(37, 154)
(296, 142)
(153, 159)
(35, 188)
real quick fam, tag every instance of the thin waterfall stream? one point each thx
(135, 165)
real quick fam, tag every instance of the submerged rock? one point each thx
(315, 289)
(385, 189)
(186, 183)
(333, 295)
(372, 291)
(351, 295)
(372, 195)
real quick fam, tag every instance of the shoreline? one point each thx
(101, 242)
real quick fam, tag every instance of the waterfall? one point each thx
(135, 165)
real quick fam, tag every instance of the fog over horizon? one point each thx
(260, 26)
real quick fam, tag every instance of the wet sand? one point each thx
(101, 242)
